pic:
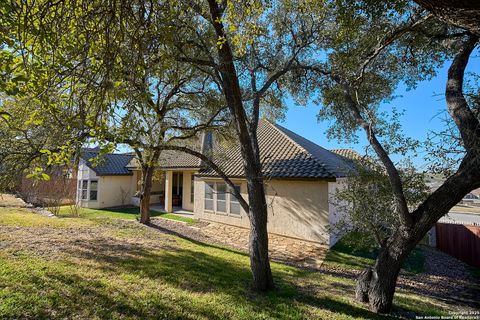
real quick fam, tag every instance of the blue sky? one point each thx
(422, 108)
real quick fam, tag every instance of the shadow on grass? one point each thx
(197, 273)
(194, 239)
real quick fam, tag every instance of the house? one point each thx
(107, 183)
(300, 180)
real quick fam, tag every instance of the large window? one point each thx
(219, 198)
(88, 190)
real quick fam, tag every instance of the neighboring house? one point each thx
(109, 183)
(300, 180)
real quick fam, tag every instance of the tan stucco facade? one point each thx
(298, 209)
(112, 191)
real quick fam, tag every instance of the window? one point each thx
(224, 200)
(84, 189)
(209, 196)
(192, 189)
(88, 190)
(234, 204)
(221, 197)
(93, 190)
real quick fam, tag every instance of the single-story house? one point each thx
(300, 180)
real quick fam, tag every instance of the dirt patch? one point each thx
(105, 239)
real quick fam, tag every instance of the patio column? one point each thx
(168, 190)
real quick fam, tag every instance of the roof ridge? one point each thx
(276, 126)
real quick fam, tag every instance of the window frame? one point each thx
(228, 200)
(90, 190)
(211, 185)
(232, 198)
(84, 189)
(224, 200)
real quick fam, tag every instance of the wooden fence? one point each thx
(460, 241)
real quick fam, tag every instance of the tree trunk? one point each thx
(376, 284)
(246, 130)
(258, 244)
(147, 176)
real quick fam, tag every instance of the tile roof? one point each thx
(112, 164)
(170, 159)
(284, 154)
(347, 153)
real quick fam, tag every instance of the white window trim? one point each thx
(227, 200)
(88, 189)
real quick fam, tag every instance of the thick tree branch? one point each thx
(458, 109)
(393, 175)
(439, 203)
(463, 14)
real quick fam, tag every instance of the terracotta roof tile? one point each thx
(284, 154)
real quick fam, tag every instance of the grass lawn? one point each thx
(466, 208)
(347, 253)
(103, 268)
(121, 213)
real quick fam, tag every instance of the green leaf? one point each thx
(5, 115)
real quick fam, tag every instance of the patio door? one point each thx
(177, 189)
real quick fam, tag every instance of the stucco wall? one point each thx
(113, 189)
(186, 198)
(337, 213)
(110, 188)
(297, 209)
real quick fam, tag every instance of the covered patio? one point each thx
(175, 210)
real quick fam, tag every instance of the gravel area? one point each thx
(444, 278)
